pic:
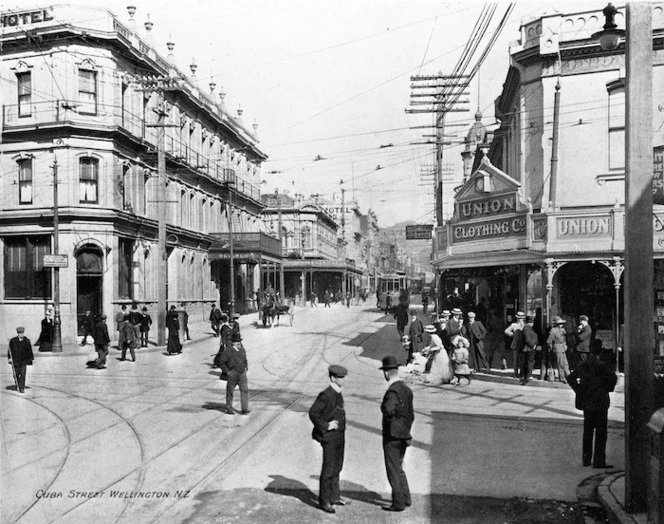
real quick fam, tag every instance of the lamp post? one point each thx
(639, 299)
(56, 345)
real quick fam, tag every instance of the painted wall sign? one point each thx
(511, 227)
(584, 226)
(487, 207)
(658, 175)
(26, 18)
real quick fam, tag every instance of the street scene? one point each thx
(292, 261)
(150, 441)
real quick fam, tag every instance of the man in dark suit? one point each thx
(583, 334)
(88, 326)
(20, 356)
(329, 419)
(592, 381)
(455, 323)
(102, 340)
(234, 366)
(215, 319)
(398, 415)
(475, 332)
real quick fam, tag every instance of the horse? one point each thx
(268, 310)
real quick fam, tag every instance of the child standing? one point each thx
(460, 359)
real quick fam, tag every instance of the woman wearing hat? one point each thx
(437, 370)
(460, 359)
(557, 343)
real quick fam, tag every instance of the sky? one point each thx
(328, 83)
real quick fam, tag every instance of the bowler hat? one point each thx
(337, 371)
(456, 311)
(430, 328)
(583, 317)
(520, 314)
(390, 363)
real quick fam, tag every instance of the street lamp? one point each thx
(639, 299)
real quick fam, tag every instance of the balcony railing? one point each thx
(70, 112)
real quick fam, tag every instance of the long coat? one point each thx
(328, 406)
(100, 334)
(475, 334)
(583, 339)
(398, 413)
(592, 381)
(20, 351)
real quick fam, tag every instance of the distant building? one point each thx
(72, 98)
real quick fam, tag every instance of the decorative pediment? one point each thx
(485, 181)
(21, 67)
(88, 63)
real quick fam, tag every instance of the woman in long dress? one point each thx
(437, 370)
(173, 325)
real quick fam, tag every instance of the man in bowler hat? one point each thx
(20, 356)
(329, 419)
(398, 415)
(592, 381)
(234, 366)
(102, 340)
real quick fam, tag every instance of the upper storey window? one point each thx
(25, 181)
(24, 83)
(88, 180)
(87, 91)
(616, 92)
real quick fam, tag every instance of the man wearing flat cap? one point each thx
(398, 416)
(20, 356)
(329, 418)
(583, 335)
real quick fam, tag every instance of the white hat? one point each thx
(430, 328)
(460, 340)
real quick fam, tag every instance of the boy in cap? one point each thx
(329, 418)
(20, 356)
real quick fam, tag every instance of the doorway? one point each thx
(89, 280)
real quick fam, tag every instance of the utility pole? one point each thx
(231, 252)
(281, 242)
(56, 345)
(438, 98)
(160, 84)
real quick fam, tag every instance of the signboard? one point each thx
(508, 227)
(658, 175)
(419, 232)
(56, 261)
(594, 226)
(496, 205)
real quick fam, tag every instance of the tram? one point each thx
(392, 289)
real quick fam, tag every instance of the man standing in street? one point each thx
(20, 356)
(88, 326)
(530, 341)
(102, 340)
(455, 323)
(215, 319)
(233, 363)
(146, 322)
(515, 333)
(401, 316)
(135, 321)
(119, 324)
(475, 332)
(185, 322)
(398, 416)
(592, 381)
(329, 419)
(583, 334)
(557, 342)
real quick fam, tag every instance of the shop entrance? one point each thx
(89, 280)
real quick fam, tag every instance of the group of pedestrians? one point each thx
(328, 416)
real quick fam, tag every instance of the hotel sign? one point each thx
(595, 226)
(26, 17)
(497, 205)
(658, 175)
(508, 227)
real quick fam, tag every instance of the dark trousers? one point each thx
(129, 345)
(333, 461)
(394, 451)
(20, 371)
(144, 338)
(237, 379)
(516, 362)
(479, 358)
(595, 425)
(85, 337)
(583, 356)
(527, 359)
(102, 353)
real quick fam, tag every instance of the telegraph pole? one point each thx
(56, 345)
(160, 84)
(231, 246)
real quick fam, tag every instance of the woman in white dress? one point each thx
(437, 370)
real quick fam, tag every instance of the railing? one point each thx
(72, 112)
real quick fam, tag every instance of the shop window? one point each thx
(125, 273)
(87, 91)
(88, 180)
(617, 126)
(25, 275)
(24, 83)
(25, 181)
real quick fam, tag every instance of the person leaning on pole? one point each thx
(20, 356)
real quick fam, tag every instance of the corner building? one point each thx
(519, 240)
(74, 114)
